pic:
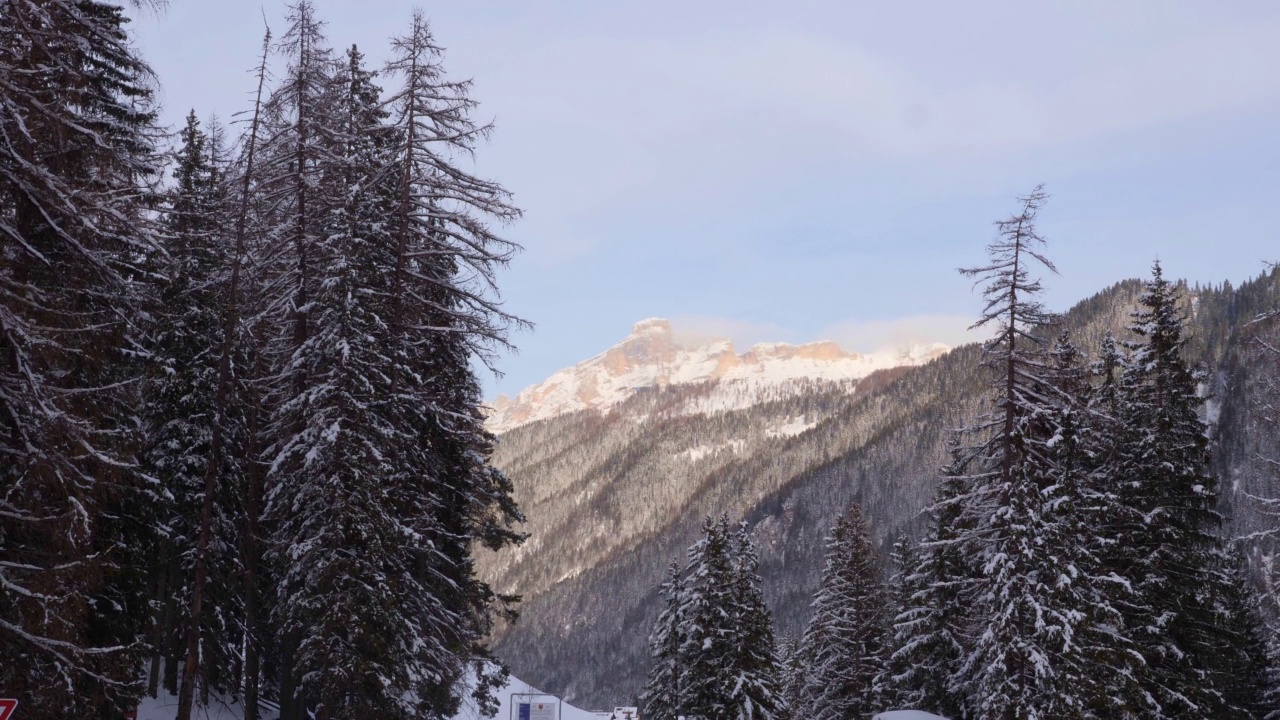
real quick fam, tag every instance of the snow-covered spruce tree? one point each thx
(1032, 597)
(76, 159)
(179, 417)
(298, 181)
(755, 694)
(844, 642)
(713, 645)
(791, 674)
(353, 499)
(1167, 541)
(1108, 662)
(709, 638)
(1242, 666)
(930, 634)
(890, 690)
(663, 697)
(445, 314)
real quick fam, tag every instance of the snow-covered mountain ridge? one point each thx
(653, 355)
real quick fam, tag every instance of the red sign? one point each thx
(7, 706)
(131, 715)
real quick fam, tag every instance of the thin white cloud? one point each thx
(699, 329)
(901, 333)
(864, 336)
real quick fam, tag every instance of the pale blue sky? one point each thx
(804, 170)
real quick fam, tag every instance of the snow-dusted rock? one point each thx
(653, 356)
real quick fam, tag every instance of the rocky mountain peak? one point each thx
(654, 355)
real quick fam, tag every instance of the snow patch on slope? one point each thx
(698, 452)
(792, 427)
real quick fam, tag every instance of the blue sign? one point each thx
(524, 711)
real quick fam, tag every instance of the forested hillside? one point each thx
(613, 499)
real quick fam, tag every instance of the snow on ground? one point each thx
(697, 452)
(792, 427)
(165, 707)
(507, 710)
(907, 715)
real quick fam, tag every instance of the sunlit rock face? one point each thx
(653, 356)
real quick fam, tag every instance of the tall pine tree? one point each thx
(77, 157)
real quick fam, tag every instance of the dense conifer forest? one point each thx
(242, 453)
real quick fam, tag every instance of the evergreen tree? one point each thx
(713, 644)
(844, 642)
(1102, 664)
(929, 633)
(755, 693)
(76, 159)
(708, 647)
(791, 674)
(1241, 668)
(1167, 541)
(663, 693)
(302, 124)
(891, 691)
(180, 416)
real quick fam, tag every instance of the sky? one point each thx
(818, 169)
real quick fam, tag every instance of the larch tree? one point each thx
(445, 313)
(77, 161)
(1031, 603)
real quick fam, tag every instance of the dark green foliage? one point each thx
(663, 691)
(1167, 544)
(179, 409)
(844, 647)
(713, 644)
(1031, 585)
(76, 160)
(926, 645)
(791, 673)
(756, 692)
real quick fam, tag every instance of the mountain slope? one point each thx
(613, 497)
